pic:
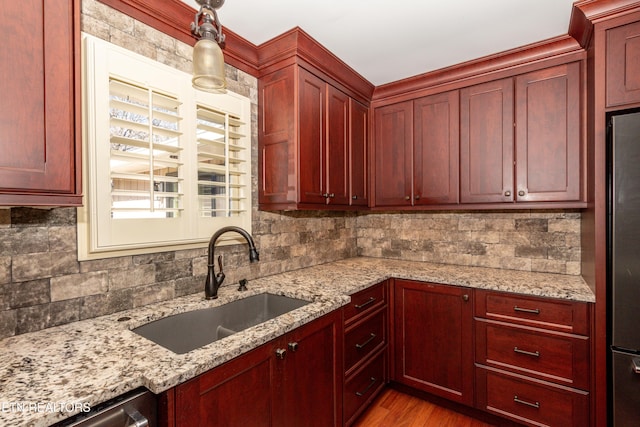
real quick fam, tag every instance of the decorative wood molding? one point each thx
(586, 13)
(558, 47)
(296, 46)
(173, 17)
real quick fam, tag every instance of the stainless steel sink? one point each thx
(187, 331)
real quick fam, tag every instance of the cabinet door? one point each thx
(436, 148)
(623, 65)
(309, 390)
(276, 138)
(237, 393)
(358, 137)
(434, 339)
(39, 164)
(548, 134)
(311, 138)
(337, 158)
(486, 142)
(393, 154)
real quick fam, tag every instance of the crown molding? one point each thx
(586, 13)
(296, 46)
(481, 69)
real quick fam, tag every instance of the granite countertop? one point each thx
(91, 361)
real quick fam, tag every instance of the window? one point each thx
(164, 165)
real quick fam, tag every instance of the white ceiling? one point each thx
(389, 40)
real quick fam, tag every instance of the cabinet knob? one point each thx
(293, 346)
(354, 197)
(325, 195)
(281, 353)
(521, 193)
(407, 197)
(465, 297)
(507, 193)
(417, 197)
(332, 195)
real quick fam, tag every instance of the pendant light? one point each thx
(208, 61)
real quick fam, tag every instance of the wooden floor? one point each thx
(395, 409)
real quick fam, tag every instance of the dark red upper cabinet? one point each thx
(486, 142)
(394, 154)
(310, 134)
(312, 127)
(312, 98)
(623, 65)
(39, 136)
(358, 158)
(436, 149)
(548, 145)
(416, 150)
(337, 165)
(530, 153)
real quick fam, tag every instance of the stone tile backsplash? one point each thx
(542, 241)
(42, 283)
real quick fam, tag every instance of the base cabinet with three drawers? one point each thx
(518, 357)
(532, 359)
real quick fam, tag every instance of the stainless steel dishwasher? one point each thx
(137, 408)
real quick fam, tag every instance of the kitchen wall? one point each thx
(42, 283)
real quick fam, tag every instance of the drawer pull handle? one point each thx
(363, 392)
(528, 353)
(524, 402)
(527, 310)
(370, 301)
(371, 338)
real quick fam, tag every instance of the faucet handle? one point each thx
(220, 275)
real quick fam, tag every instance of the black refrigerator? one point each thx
(624, 267)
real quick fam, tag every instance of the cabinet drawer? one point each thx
(365, 301)
(554, 314)
(535, 403)
(363, 386)
(560, 358)
(364, 338)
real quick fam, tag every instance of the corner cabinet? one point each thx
(312, 143)
(294, 380)
(40, 144)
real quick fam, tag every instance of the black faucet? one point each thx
(215, 280)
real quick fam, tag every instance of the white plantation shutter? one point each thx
(223, 164)
(146, 169)
(165, 165)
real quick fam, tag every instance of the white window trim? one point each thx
(96, 241)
